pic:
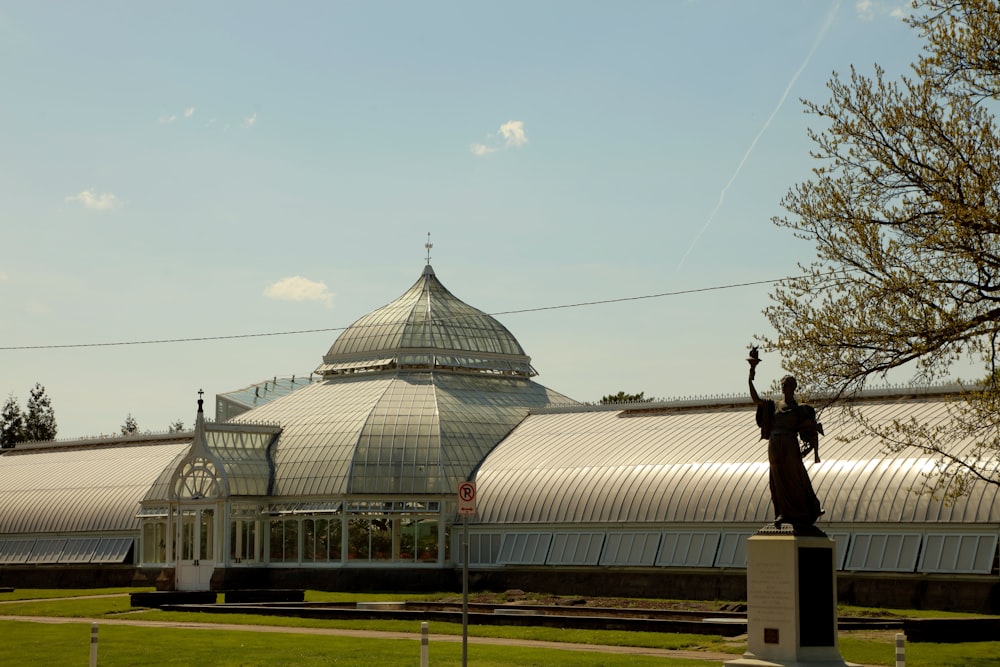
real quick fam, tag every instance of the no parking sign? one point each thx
(467, 498)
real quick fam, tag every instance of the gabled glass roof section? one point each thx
(427, 328)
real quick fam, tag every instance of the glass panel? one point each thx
(322, 539)
(206, 549)
(407, 541)
(188, 518)
(243, 541)
(447, 543)
(309, 540)
(336, 531)
(250, 536)
(236, 541)
(276, 541)
(80, 550)
(381, 539)
(427, 540)
(154, 542)
(113, 550)
(291, 540)
(358, 539)
(173, 544)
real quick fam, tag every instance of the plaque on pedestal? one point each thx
(791, 600)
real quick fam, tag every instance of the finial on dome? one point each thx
(428, 245)
(201, 402)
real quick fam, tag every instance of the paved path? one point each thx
(708, 656)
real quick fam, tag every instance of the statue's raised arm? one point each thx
(753, 360)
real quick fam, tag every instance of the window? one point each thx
(732, 550)
(688, 549)
(321, 540)
(284, 541)
(965, 553)
(418, 540)
(884, 552)
(198, 479)
(524, 548)
(154, 541)
(575, 549)
(630, 548)
(243, 541)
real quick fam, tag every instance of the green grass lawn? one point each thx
(48, 593)
(29, 643)
(44, 645)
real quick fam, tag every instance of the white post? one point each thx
(900, 650)
(424, 648)
(465, 590)
(93, 645)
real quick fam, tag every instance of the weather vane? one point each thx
(428, 245)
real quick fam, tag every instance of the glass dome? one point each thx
(427, 328)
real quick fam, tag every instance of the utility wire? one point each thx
(197, 339)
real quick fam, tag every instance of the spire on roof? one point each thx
(199, 445)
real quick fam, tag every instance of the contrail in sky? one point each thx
(795, 77)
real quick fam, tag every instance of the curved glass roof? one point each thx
(87, 489)
(404, 432)
(429, 328)
(709, 466)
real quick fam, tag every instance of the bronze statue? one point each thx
(782, 423)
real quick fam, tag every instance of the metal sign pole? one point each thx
(465, 590)
(466, 506)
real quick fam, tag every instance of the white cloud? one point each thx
(166, 119)
(189, 112)
(869, 10)
(250, 120)
(96, 202)
(481, 149)
(297, 288)
(513, 133)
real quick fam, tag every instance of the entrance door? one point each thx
(197, 548)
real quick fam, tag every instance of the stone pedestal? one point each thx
(791, 600)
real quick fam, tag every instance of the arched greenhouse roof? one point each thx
(704, 464)
(92, 488)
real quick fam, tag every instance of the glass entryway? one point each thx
(197, 548)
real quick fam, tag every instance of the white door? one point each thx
(197, 548)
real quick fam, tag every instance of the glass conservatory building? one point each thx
(356, 466)
(347, 478)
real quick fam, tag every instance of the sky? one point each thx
(224, 170)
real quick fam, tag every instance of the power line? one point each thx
(198, 339)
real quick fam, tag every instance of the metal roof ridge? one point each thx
(103, 440)
(247, 426)
(900, 391)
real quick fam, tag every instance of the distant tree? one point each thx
(176, 427)
(40, 420)
(11, 423)
(131, 426)
(622, 397)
